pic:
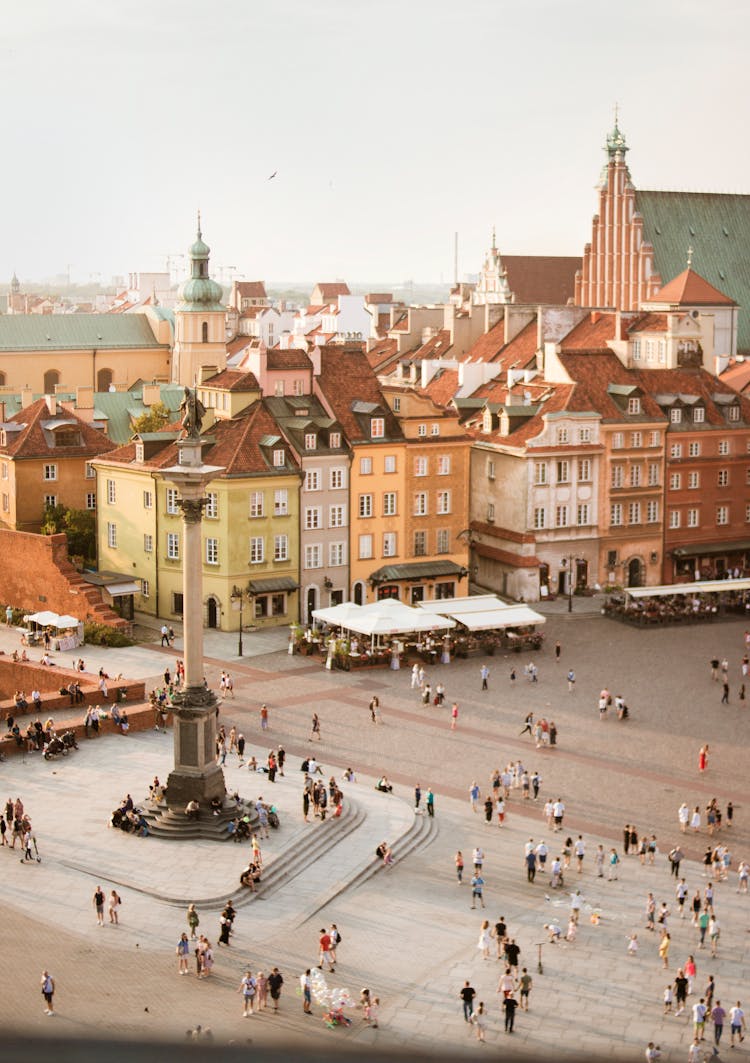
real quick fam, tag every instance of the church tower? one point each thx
(199, 321)
(493, 286)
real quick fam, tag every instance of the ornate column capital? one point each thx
(192, 509)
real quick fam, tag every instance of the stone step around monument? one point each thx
(171, 823)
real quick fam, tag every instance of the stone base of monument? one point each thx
(183, 786)
(174, 823)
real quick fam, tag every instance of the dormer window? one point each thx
(487, 421)
(310, 440)
(139, 453)
(278, 459)
(675, 416)
(435, 429)
(562, 435)
(733, 412)
(377, 427)
(422, 430)
(699, 415)
(334, 440)
(397, 404)
(636, 350)
(634, 406)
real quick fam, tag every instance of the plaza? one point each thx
(409, 933)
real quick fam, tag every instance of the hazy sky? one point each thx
(391, 125)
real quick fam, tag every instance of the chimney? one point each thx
(85, 397)
(27, 397)
(151, 394)
(206, 372)
(315, 356)
(3, 414)
(51, 401)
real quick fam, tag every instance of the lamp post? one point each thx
(568, 563)
(238, 597)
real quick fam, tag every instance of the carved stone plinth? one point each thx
(196, 775)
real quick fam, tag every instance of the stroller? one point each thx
(55, 747)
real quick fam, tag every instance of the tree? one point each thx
(153, 420)
(79, 527)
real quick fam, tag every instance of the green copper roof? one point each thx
(60, 332)
(717, 227)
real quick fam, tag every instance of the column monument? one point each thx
(196, 775)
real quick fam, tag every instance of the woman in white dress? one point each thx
(485, 939)
(695, 821)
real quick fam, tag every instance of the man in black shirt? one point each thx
(275, 982)
(499, 933)
(512, 952)
(467, 995)
(510, 1004)
(680, 991)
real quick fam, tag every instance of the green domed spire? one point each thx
(199, 293)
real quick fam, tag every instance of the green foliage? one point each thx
(79, 527)
(103, 635)
(153, 420)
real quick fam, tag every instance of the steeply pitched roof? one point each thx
(488, 346)
(596, 372)
(694, 382)
(37, 438)
(443, 386)
(250, 289)
(690, 289)
(233, 380)
(348, 383)
(591, 334)
(737, 375)
(329, 291)
(382, 353)
(290, 358)
(717, 226)
(55, 332)
(650, 322)
(542, 278)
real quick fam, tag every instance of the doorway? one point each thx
(311, 603)
(417, 595)
(635, 573)
(212, 611)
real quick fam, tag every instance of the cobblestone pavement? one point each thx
(409, 933)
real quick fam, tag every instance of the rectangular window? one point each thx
(281, 502)
(636, 350)
(377, 427)
(444, 465)
(172, 497)
(212, 505)
(336, 554)
(636, 439)
(652, 512)
(334, 440)
(653, 474)
(311, 440)
(674, 518)
(694, 450)
(420, 504)
(145, 589)
(654, 439)
(257, 550)
(50, 472)
(722, 478)
(584, 514)
(618, 440)
(173, 546)
(365, 466)
(389, 544)
(540, 517)
(5, 469)
(178, 603)
(257, 505)
(747, 514)
(389, 503)
(699, 415)
(617, 475)
(435, 429)
(694, 480)
(422, 430)
(563, 472)
(337, 478)
(111, 535)
(365, 505)
(279, 458)
(365, 547)
(212, 551)
(313, 517)
(675, 451)
(584, 470)
(723, 446)
(148, 500)
(336, 516)
(634, 405)
(584, 435)
(50, 501)
(90, 471)
(91, 500)
(443, 502)
(634, 513)
(148, 543)
(615, 514)
(734, 413)
(314, 556)
(675, 416)
(281, 547)
(420, 466)
(561, 516)
(420, 544)
(562, 435)
(540, 472)
(443, 541)
(111, 492)
(722, 514)
(692, 518)
(635, 475)
(313, 480)
(490, 469)
(675, 481)
(490, 512)
(389, 463)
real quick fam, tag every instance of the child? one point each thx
(572, 930)
(632, 945)
(371, 1012)
(668, 999)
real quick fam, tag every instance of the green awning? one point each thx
(417, 571)
(269, 586)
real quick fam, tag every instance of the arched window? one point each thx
(2, 384)
(51, 377)
(103, 379)
(205, 332)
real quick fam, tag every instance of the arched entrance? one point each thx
(311, 602)
(212, 612)
(51, 379)
(103, 379)
(358, 593)
(635, 572)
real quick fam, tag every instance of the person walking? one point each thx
(485, 674)
(48, 991)
(737, 1023)
(459, 861)
(479, 1020)
(115, 900)
(305, 982)
(477, 888)
(192, 920)
(183, 953)
(466, 995)
(315, 731)
(247, 989)
(525, 983)
(703, 758)
(454, 716)
(264, 717)
(275, 982)
(510, 1004)
(430, 802)
(98, 901)
(417, 797)
(571, 681)
(718, 1014)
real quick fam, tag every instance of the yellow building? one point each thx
(250, 523)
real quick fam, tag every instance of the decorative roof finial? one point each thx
(690, 256)
(200, 234)
(494, 239)
(616, 141)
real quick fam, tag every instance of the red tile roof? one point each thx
(330, 290)
(34, 442)
(436, 346)
(233, 380)
(596, 371)
(488, 346)
(690, 289)
(541, 278)
(251, 289)
(650, 322)
(443, 386)
(239, 343)
(401, 324)
(290, 358)
(382, 353)
(737, 375)
(346, 377)
(379, 297)
(594, 333)
(692, 382)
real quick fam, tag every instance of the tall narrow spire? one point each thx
(200, 234)
(615, 140)
(494, 239)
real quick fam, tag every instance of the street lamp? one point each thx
(238, 598)
(567, 562)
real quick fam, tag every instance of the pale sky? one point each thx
(390, 124)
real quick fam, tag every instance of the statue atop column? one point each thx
(193, 412)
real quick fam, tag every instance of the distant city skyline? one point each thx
(388, 129)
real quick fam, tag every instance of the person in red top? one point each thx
(326, 956)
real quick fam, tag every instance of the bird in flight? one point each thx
(273, 175)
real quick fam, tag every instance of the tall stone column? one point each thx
(196, 775)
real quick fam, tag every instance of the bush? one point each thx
(18, 615)
(103, 635)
